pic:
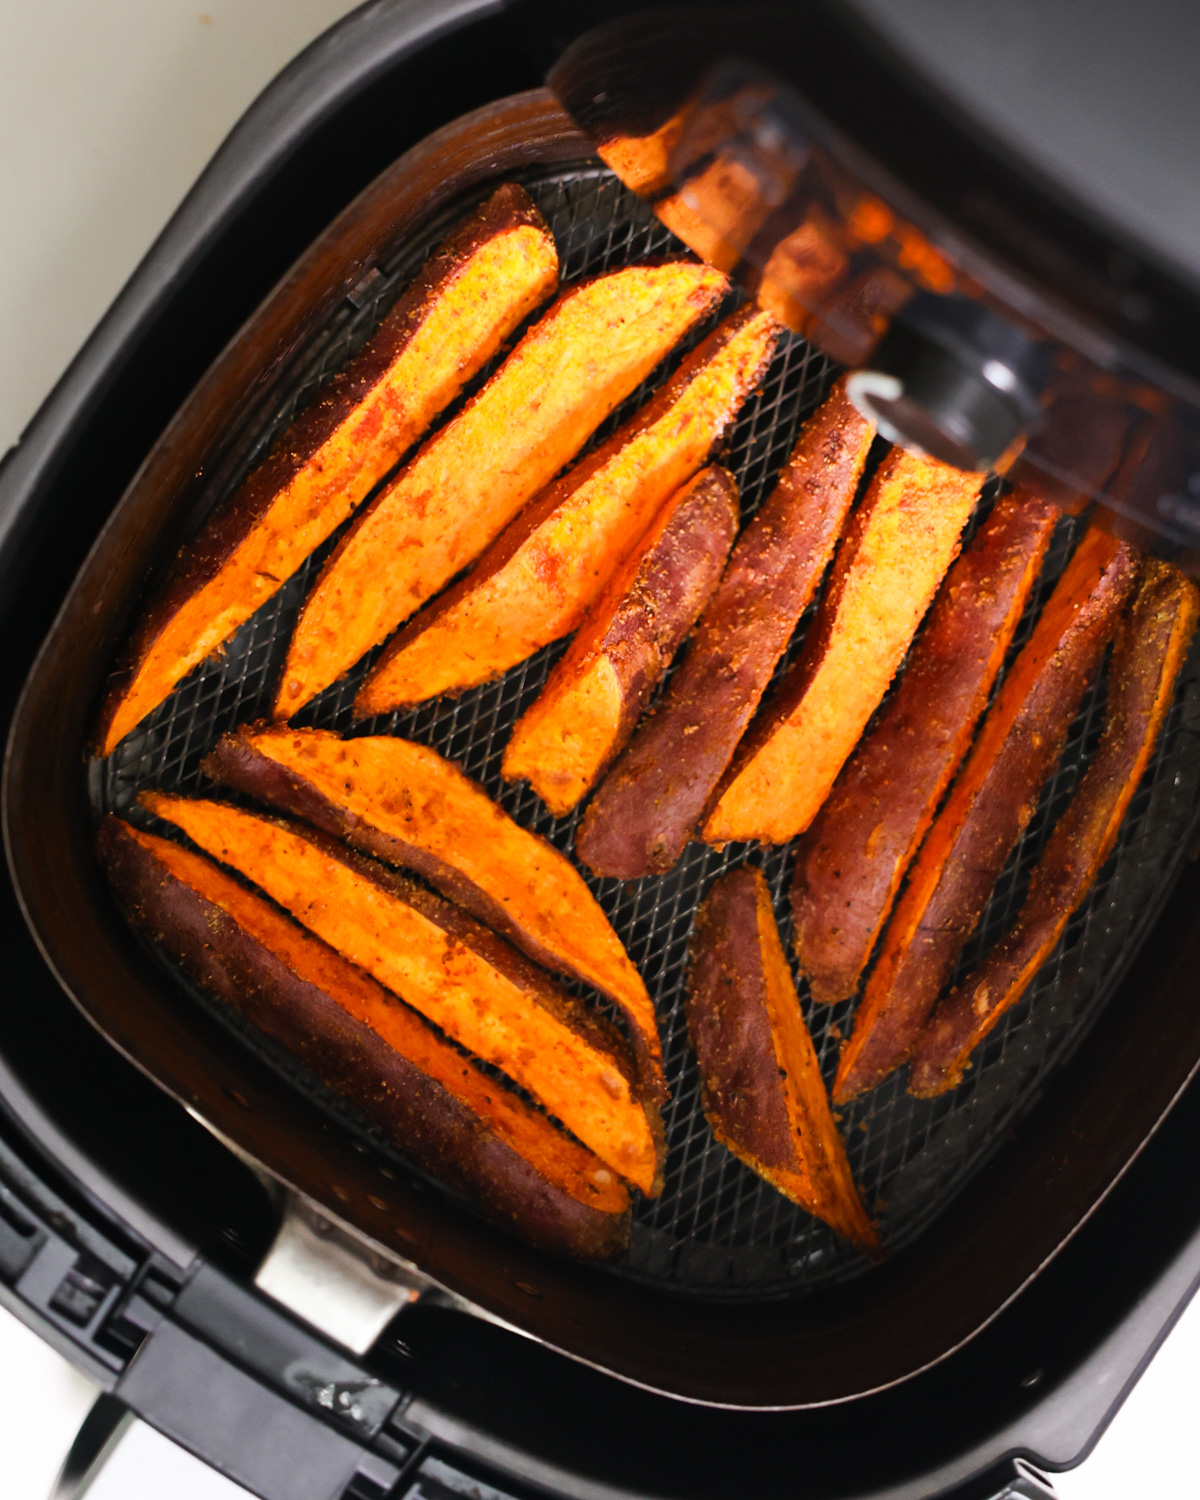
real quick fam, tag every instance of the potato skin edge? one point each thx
(427, 1122)
(199, 561)
(850, 862)
(647, 807)
(1152, 644)
(638, 624)
(994, 796)
(236, 763)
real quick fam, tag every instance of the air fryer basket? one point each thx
(718, 1235)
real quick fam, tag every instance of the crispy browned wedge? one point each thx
(643, 162)
(648, 805)
(404, 804)
(723, 209)
(991, 802)
(805, 271)
(596, 344)
(451, 1118)
(895, 553)
(536, 581)
(1152, 642)
(850, 863)
(460, 976)
(595, 694)
(471, 295)
(760, 1080)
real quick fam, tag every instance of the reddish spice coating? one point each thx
(592, 348)
(452, 1119)
(1151, 646)
(761, 1084)
(474, 290)
(405, 804)
(538, 578)
(463, 978)
(596, 693)
(897, 548)
(850, 863)
(649, 804)
(993, 799)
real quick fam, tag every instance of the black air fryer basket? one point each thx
(729, 1296)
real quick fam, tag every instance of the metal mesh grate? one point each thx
(717, 1229)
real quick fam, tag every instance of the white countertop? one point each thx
(108, 112)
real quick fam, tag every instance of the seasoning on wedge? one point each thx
(448, 1115)
(594, 346)
(1152, 643)
(988, 806)
(595, 694)
(474, 291)
(896, 551)
(404, 804)
(850, 863)
(761, 1085)
(460, 976)
(536, 581)
(649, 804)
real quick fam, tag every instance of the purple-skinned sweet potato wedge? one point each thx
(474, 291)
(761, 1085)
(463, 978)
(405, 804)
(364, 1043)
(594, 696)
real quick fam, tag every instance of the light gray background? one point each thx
(108, 111)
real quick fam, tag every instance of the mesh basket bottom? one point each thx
(717, 1230)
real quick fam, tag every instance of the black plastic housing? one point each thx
(83, 1124)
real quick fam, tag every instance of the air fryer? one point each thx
(162, 1239)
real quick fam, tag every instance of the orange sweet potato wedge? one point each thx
(460, 976)
(991, 802)
(643, 162)
(536, 581)
(896, 551)
(647, 807)
(596, 344)
(1152, 643)
(436, 1105)
(474, 291)
(761, 1084)
(850, 863)
(404, 804)
(595, 694)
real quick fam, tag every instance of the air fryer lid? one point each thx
(730, 1295)
(996, 317)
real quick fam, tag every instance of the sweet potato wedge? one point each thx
(850, 863)
(535, 582)
(643, 162)
(1152, 642)
(472, 294)
(594, 696)
(438, 1107)
(991, 802)
(721, 211)
(598, 341)
(760, 1081)
(896, 551)
(460, 976)
(404, 804)
(646, 808)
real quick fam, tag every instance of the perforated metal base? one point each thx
(717, 1229)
